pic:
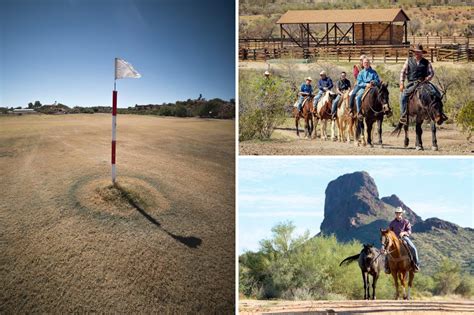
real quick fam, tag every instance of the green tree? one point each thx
(447, 278)
(37, 104)
(30, 105)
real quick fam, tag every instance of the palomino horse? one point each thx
(322, 112)
(307, 114)
(423, 105)
(399, 262)
(345, 121)
(374, 106)
(370, 262)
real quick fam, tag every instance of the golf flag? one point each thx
(125, 70)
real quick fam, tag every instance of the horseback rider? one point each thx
(367, 77)
(324, 84)
(402, 228)
(358, 67)
(342, 86)
(417, 70)
(305, 90)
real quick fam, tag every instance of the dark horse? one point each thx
(374, 106)
(370, 262)
(423, 104)
(307, 114)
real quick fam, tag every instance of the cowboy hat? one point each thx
(362, 57)
(399, 210)
(309, 79)
(419, 48)
(267, 72)
(322, 73)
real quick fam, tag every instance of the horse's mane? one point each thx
(394, 239)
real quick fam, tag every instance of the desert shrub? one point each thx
(466, 287)
(262, 105)
(447, 277)
(465, 119)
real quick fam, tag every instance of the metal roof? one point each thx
(343, 16)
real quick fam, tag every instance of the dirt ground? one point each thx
(70, 242)
(356, 307)
(285, 142)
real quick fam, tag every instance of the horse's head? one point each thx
(385, 238)
(434, 102)
(383, 98)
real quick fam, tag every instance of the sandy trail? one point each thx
(285, 142)
(60, 255)
(356, 307)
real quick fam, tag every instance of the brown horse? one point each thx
(322, 112)
(373, 108)
(399, 262)
(423, 104)
(307, 114)
(345, 120)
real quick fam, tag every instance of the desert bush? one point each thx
(466, 287)
(262, 105)
(447, 277)
(465, 119)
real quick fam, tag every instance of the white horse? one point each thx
(322, 112)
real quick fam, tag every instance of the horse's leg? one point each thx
(419, 132)
(363, 133)
(368, 286)
(310, 120)
(306, 127)
(410, 281)
(333, 130)
(370, 124)
(374, 284)
(365, 285)
(405, 128)
(403, 276)
(434, 141)
(395, 283)
(379, 128)
(297, 119)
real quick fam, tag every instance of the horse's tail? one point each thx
(397, 130)
(350, 259)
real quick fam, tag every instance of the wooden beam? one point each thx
(353, 34)
(281, 36)
(327, 34)
(307, 34)
(363, 33)
(391, 33)
(380, 35)
(335, 33)
(311, 35)
(292, 38)
(345, 34)
(406, 32)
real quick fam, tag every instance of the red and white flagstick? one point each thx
(114, 127)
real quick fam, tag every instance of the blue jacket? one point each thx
(365, 76)
(325, 83)
(306, 88)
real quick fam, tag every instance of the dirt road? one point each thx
(356, 307)
(285, 142)
(69, 243)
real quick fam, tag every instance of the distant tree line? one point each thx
(213, 108)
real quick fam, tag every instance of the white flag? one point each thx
(125, 70)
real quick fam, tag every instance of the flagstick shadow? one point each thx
(190, 241)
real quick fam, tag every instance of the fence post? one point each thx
(396, 55)
(431, 49)
(384, 55)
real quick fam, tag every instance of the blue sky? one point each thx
(64, 50)
(273, 190)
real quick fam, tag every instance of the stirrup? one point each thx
(403, 120)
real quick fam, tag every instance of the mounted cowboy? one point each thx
(305, 90)
(402, 228)
(417, 70)
(342, 86)
(324, 85)
(367, 77)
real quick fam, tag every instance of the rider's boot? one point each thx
(403, 119)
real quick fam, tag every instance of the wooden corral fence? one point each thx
(439, 49)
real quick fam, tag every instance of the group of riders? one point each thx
(416, 70)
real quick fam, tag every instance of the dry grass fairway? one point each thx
(70, 243)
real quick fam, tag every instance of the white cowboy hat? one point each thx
(362, 57)
(267, 72)
(399, 210)
(322, 72)
(309, 79)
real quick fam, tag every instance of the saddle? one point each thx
(410, 255)
(366, 91)
(304, 102)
